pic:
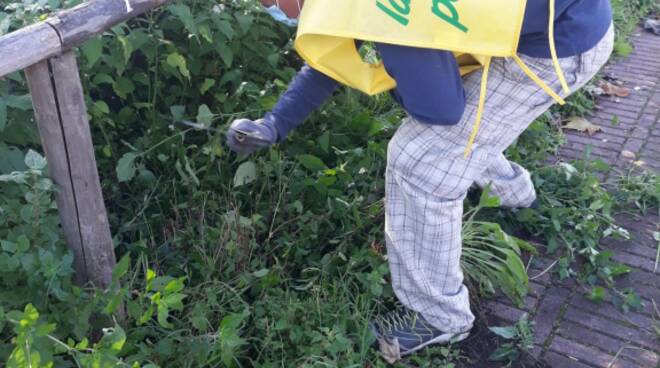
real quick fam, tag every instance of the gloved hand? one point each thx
(246, 136)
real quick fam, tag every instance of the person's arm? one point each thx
(308, 90)
(429, 84)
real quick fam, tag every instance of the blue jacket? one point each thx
(429, 86)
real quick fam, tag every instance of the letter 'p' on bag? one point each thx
(482, 28)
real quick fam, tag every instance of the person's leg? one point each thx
(509, 181)
(428, 177)
(423, 228)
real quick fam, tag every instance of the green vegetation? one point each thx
(520, 339)
(626, 16)
(273, 260)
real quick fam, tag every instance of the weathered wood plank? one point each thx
(79, 24)
(27, 46)
(52, 138)
(66, 30)
(98, 249)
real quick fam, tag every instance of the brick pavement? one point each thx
(572, 331)
(630, 132)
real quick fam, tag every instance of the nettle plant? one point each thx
(576, 214)
(35, 265)
(271, 260)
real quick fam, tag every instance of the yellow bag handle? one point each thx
(553, 49)
(529, 73)
(480, 108)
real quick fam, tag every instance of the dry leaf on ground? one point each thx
(581, 125)
(628, 155)
(613, 90)
(390, 350)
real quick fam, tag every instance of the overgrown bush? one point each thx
(271, 260)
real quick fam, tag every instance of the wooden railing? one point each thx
(45, 52)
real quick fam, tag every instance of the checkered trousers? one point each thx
(428, 178)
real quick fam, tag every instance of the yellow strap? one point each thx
(538, 80)
(553, 49)
(480, 108)
(529, 72)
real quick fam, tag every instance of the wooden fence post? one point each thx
(61, 115)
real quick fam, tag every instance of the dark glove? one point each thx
(246, 136)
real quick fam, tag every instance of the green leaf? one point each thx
(178, 61)
(261, 273)
(34, 160)
(123, 87)
(233, 321)
(113, 338)
(15, 177)
(44, 329)
(5, 23)
(174, 301)
(163, 314)
(3, 115)
(204, 115)
(197, 317)
(151, 275)
(185, 16)
(102, 107)
(502, 353)
(226, 54)
(146, 316)
(229, 336)
(245, 174)
(126, 167)
(324, 141)
(178, 112)
(102, 78)
(208, 83)
(244, 21)
(29, 317)
(174, 286)
(121, 268)
(126, 48)
(113, 302)
(504, 332)
(8, 246)
(516, 266)
(23, 243)
(311, 162)
(92, 49)
(597, 294)
(22, 102)
(225, 28)
(487, 200)
(205, 32)
(623, 48)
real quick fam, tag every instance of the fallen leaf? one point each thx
(390, 350)
(613, 90)
(581, 125)
(245, 174)
(594, 90)
(628, 155)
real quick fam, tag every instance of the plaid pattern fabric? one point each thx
(428, 178)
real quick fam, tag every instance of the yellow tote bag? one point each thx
(475, 30)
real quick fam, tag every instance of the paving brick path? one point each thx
(571, 331)
(630, 131)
